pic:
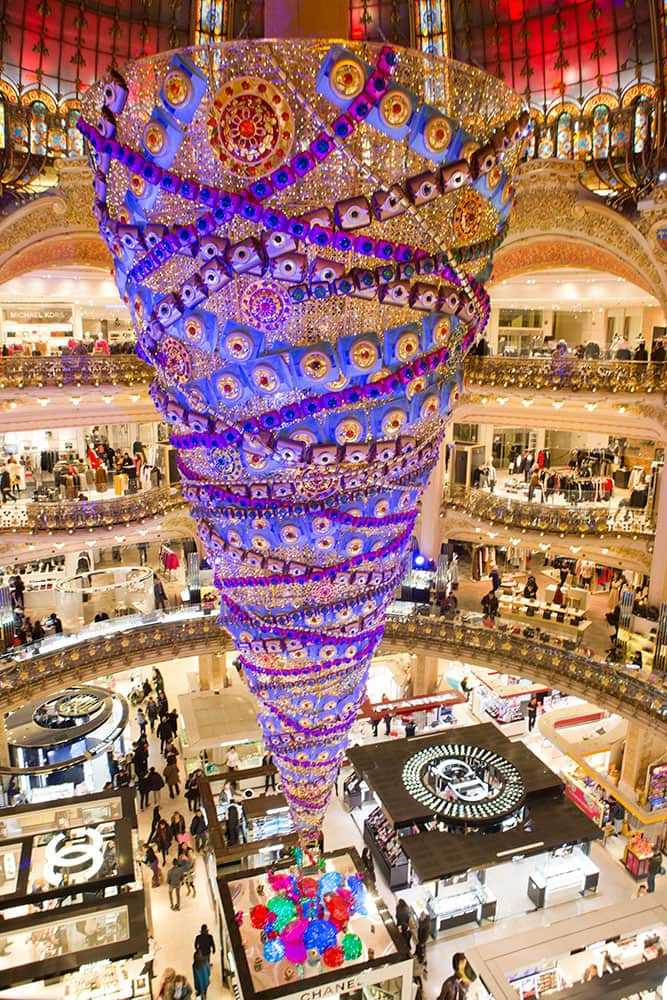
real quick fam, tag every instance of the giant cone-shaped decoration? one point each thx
(298, 229)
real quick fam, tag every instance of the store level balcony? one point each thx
(128, 642)
(568, 374)
(86, 515)
(583, 520)
(72, 371)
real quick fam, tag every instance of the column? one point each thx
(305, 19)
(212, 672)
(657, 587)
(4, 746)
(424, 674)
(429, 528)
(642, 748)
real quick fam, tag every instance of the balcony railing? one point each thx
(75, 515)
(18, 372)
(581, 519)
(616, 686)
(114, 645)
(567, 373)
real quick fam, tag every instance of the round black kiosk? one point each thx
(63, 739)
(467, 787)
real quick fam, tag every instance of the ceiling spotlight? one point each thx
(501, 400)
(621, 409)
(43, 400)
(108, 398)
(528, 402)
(12, 404)
(91, 543)
(135, 397)
(75, 400)
(119, 538)
(59, 545)
(558, 404)
(591, 406)
(662, 176)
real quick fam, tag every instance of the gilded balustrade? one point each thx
(136, 639)
(567, 373)
(76, 515)
(579, 519)
(18, 372)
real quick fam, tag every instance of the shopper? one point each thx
(171, 752)
(142, 721)
(204, 942)
(158, 680)
(160, 593)
(182, 988)
(154, 822)
(654, 868)
(6, 485)
(19, 591)
(166, 991)
(173, 722)
(144, 789)
(163, 839)
(490, 606)
(164, 733)
(174, 880)
(192, 795)
(233, 759)
(658, 352)
(177, 826)
(151, 713)
(386, 716)
(559, 596)
(201, 974)
(369, 868)
(423, 933)
(494, 576)
(186, 859)
(172, 777)
(402, 915)
(457, 985)
(156, 784)
(269, 779)
(150, 860)
(198, 830)
(530, 590)
(532, 712)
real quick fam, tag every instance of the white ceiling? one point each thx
(568, 288)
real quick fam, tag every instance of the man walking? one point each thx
(174, 879)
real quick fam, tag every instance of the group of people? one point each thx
(26, 630)
(10, 479)
(175, 986)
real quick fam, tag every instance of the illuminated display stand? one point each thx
(381, 960)
(74, 900)
(613, 954)
(482, 824)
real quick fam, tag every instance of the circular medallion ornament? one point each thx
(395, 108)
(177, 88)
(466, 784)
(175, 360)
(264, 304)
(347, 78)
(468, 216)
(250, 127)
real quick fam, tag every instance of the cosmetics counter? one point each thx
(561, 877)
(385, 845)
(454, 817)
(637, 855)
(64, 738)
(73, 896)
(615, 953)
(503, 698)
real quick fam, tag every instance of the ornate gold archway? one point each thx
(558, 223)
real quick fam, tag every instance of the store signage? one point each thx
(465, 783)
(82, 856)
(38, 316)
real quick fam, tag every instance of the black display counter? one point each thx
(386, 848)
(479, 782)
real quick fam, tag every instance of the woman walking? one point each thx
(201, 973)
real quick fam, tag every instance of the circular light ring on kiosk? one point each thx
(465, 784)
